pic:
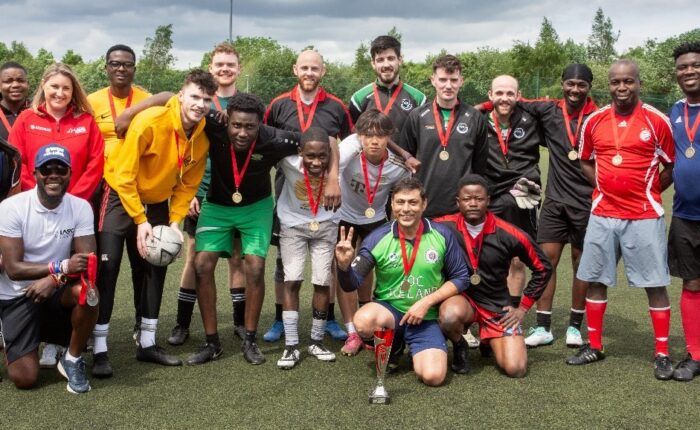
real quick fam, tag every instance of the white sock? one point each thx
(148, 332)
(290, 319)
(318, 329)
(70, 358)
(350, 327)
(100, 335)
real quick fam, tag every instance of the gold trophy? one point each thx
(382, 349)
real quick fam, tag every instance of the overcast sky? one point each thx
(335, 27)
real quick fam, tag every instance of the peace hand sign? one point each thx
(344, 252)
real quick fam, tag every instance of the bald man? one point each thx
(307, 104)
(513, 167)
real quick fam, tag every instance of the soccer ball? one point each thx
(164, 246)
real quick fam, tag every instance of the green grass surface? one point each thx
(619, 392)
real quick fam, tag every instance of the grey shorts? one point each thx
(296, 241)
(640, 243)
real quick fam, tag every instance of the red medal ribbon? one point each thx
(443, 135)
(373, 192)
(5, 122)
(503, 144)
(688, 130)
(238, 177)
(613, 124)
(471, 243)
(304, 125)
(385, 110)
(408, 264)
(91, 278)
(567, 125)
(310, 192)
(180, 158)
(217, 103)
(111, 102)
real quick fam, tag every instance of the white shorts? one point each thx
(640, 243)
(296, 241)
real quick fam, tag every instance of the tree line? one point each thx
(267, 65)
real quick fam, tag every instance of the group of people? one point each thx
(419, 216)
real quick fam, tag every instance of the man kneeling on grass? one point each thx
(417, 264)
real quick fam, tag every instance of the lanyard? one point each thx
(111, 102)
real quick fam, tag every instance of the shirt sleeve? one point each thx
(664, 134)
(585, 144)
(533, 257)
(17, 139)
(286, 142)
(481, 147)
(409, 134)
(11, 225)
(361, 266)
(126, 168)
(455, 267)
(85, 225)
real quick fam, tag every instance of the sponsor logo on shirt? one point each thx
(462, 128)
(40, 128)
(431, 256)
(518, 133)
(678, 120)
(645, 135)
(406, 104)
(77, 130)
(64, 233)
(257, 157)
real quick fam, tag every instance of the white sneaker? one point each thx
(289, 359)
(49, 356)
(538, 336)
(318, 350)
(472, 341)
(573, 337)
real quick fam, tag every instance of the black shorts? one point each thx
(561, 223)
(114, 219)
(504, 207)
(684, 248)
(360, 231)
(25, 324)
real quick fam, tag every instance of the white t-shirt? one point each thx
(352, 183)
(293, 207)
(47, 234)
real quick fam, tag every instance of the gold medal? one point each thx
(369, 213)
(617, 160)
(444, 155)
(690, 152)
(573, 155)
(237, 197)
(405, 285)
(475, 279)
(314, 225)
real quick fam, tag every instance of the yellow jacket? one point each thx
(144, 169)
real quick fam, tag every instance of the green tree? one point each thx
(72, 58)
(157, 60)
(601, 42)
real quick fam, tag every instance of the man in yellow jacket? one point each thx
(152, 176)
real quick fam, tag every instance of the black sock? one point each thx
(214, 339)
(576, 319)
(460, 343)
(278, 312)
(544, 320)
(515, 301)
(185, 306)
(238, 301)
(331, 312)
(250, 335)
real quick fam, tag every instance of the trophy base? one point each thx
(379, 396)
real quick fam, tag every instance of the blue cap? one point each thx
(51, 151)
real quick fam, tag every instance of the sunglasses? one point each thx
(55, 169)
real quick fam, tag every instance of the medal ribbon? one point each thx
(691, 132)
(503, 144)
(217, 103)
(613, 124)
(385, 110)
(180, 158)
(310, 192)
(111, 102)
(304, 125)
(91, 278)
(373, 192)
(238, 177)
(408, 264)
(471, 243)
(567, 125)
(5, 122)
(443, 135)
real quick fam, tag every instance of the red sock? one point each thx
(595, 311)
(661, 321)
(690, 316)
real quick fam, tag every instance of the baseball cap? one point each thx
(51, 151)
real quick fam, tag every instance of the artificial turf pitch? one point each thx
(619, 392)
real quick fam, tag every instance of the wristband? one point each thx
(59, 280)
(64, 266)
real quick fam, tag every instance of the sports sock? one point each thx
(595, 311)
(148, 332)
(690, 309)
(100, 335)
(278, 312)
(318, 325)
(544, 319)
(238, 302)
(70, 358)
(213, 339)
(515, 301)
(661, 322)
(186, 299)
(350, 327)
(250, 335)
(576, 317)
(331, 312)
(291, 327)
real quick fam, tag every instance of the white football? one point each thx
(164, 246)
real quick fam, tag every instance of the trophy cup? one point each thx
(382, 348)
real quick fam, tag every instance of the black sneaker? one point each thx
(460, 357)
(663, 367)
(687, 369)
(156, 354)
(208, 352)
(586, 355)
(179, 335)
(239, 331)
(101, 367)
(252, 353)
